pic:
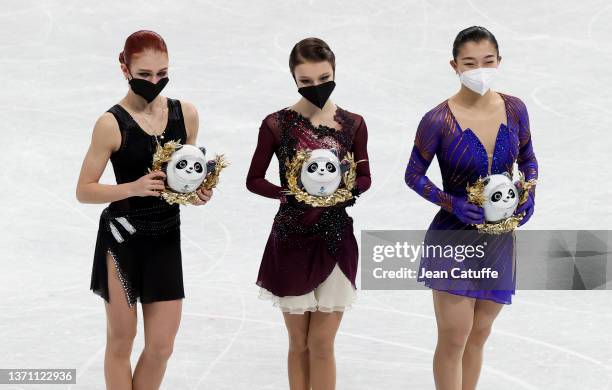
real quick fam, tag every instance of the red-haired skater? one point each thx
(138, 251)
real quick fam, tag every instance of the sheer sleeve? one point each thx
(256, 181)
(363, 179)
(527, 162)
(425, 146)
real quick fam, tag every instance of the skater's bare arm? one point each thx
(192, 121)
(106, 139)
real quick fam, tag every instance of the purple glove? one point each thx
(467, 212)
(527, 207)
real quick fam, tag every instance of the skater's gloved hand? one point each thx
(151, 184)
(467, 212)
(351, 202)
(290, 200)
(527, 207)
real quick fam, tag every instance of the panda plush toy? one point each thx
(186, 169)
(322, 172)
(501, 197)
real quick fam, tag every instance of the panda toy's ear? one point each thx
(210, 165)
(334, 151)
(507, 175)
(486, 181)
(179, 146)
(203, 149)
(344, 166)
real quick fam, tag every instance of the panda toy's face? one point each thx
(501, 197)
(321, 173)
(186, 169)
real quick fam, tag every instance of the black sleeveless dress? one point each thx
(142, 234)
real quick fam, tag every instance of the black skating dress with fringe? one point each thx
(142, 234)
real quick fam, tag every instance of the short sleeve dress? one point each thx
(307, 244)
(463, 159)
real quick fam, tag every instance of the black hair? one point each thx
(473, 34)
(311, 50)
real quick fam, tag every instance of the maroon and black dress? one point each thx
(307, 243)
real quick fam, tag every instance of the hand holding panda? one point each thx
(204, 195)
(527, 207)
(186, 171)
(150, 184)
(495, 204)
(467, 212)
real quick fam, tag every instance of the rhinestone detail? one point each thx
(127, 288)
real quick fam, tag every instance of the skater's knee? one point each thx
(453, 338)
(159, 350)
(120, 341)
(321, 345)
(479, 335)
(298, 343)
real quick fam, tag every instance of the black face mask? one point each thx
(318, 94)
(147, 89)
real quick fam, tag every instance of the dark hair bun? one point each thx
(311, 50)
(473, 34)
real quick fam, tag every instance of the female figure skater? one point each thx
(309, 263)
(138, 252)
(475, 132)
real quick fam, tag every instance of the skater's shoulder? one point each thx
(106, 122)
(514, 102)
(436, 116)
(342, 115)
(184, 109)
(440, 109)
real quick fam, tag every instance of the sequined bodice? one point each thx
(464, 143)
(298, 133)
(284, 132)
(462, 157)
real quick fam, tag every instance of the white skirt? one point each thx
(336, 293)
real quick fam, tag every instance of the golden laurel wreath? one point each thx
(475, 195)
(164, 153)
(343, 194)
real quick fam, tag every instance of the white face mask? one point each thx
(478, 80)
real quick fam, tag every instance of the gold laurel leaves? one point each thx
(164, 154)
(343, 194)
(475, 195)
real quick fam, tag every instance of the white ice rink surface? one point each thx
(59, 72)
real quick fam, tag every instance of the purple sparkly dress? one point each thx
(306, 242)
(462, 159)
